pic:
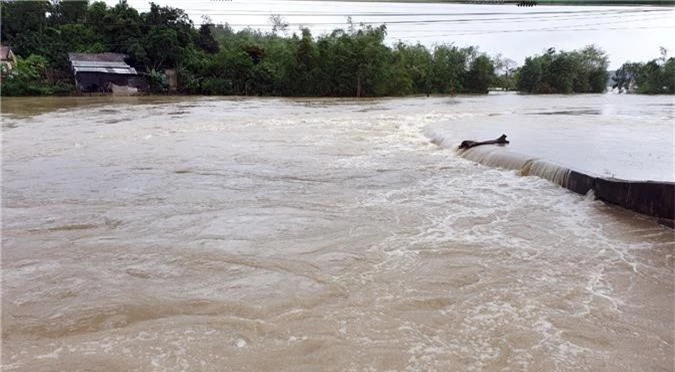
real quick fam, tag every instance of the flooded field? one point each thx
(230, 234)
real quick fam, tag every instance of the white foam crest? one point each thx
(527, 166)
(495, 158)
(547, 170)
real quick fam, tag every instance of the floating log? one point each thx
(469, 144)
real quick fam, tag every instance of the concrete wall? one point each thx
(655, 199)
(652, 198)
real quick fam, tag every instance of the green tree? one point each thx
(95, 15)
(418, 63)
(625, 77)
(654, 77)
(278, 24)
(480, 75)
(530, 75)
(448, 68)
(68, 12)
(669, 75)
(505, 69)
(29, 78)
(562, 73)
(583, 71)
(121, 29)
(305, 67)
(217, 60)
(166, 33)
(205, 39)
(22, 17)
(370, 55)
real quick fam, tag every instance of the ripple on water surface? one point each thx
(272, 234)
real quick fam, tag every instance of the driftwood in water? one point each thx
(469, 144)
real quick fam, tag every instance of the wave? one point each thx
(526, 165)
(652, 198)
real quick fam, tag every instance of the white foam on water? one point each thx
(316, 231)
(547, 170)
(53, 355)
(524, 164)
(604, 144)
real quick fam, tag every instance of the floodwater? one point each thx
(612, 136)
(230, 234)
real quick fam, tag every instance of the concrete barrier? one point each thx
(652, 198)
(656, 199)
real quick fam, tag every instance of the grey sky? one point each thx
(625, 33)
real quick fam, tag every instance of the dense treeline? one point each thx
(583, 71)
(352, 62)
(214, 59)
(39, 31)
(654, 77)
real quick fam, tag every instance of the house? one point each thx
(105, 72)
(7, 58)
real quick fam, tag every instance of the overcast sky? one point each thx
(625, 33)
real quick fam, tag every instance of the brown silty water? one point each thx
(209, 234)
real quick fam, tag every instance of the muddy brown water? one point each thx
(217, 234)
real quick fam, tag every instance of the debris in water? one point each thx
(469, 144)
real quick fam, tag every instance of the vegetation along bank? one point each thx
(215, 60)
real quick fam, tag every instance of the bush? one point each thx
(579, 71)
(29, 78)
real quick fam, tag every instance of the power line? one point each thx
(540, 30)
(510, 3)
(668, 3)
(407, 14)
(643, 19)
(503, 20)
(444, 21)
(493, 31)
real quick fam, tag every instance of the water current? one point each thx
(236, 234)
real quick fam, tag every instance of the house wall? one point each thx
(9, 62)
(89, 82)
(98, 82)
(172, 79)
(138, 82)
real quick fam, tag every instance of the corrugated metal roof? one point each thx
(106, 70)
(98, 64)
(107, 63)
